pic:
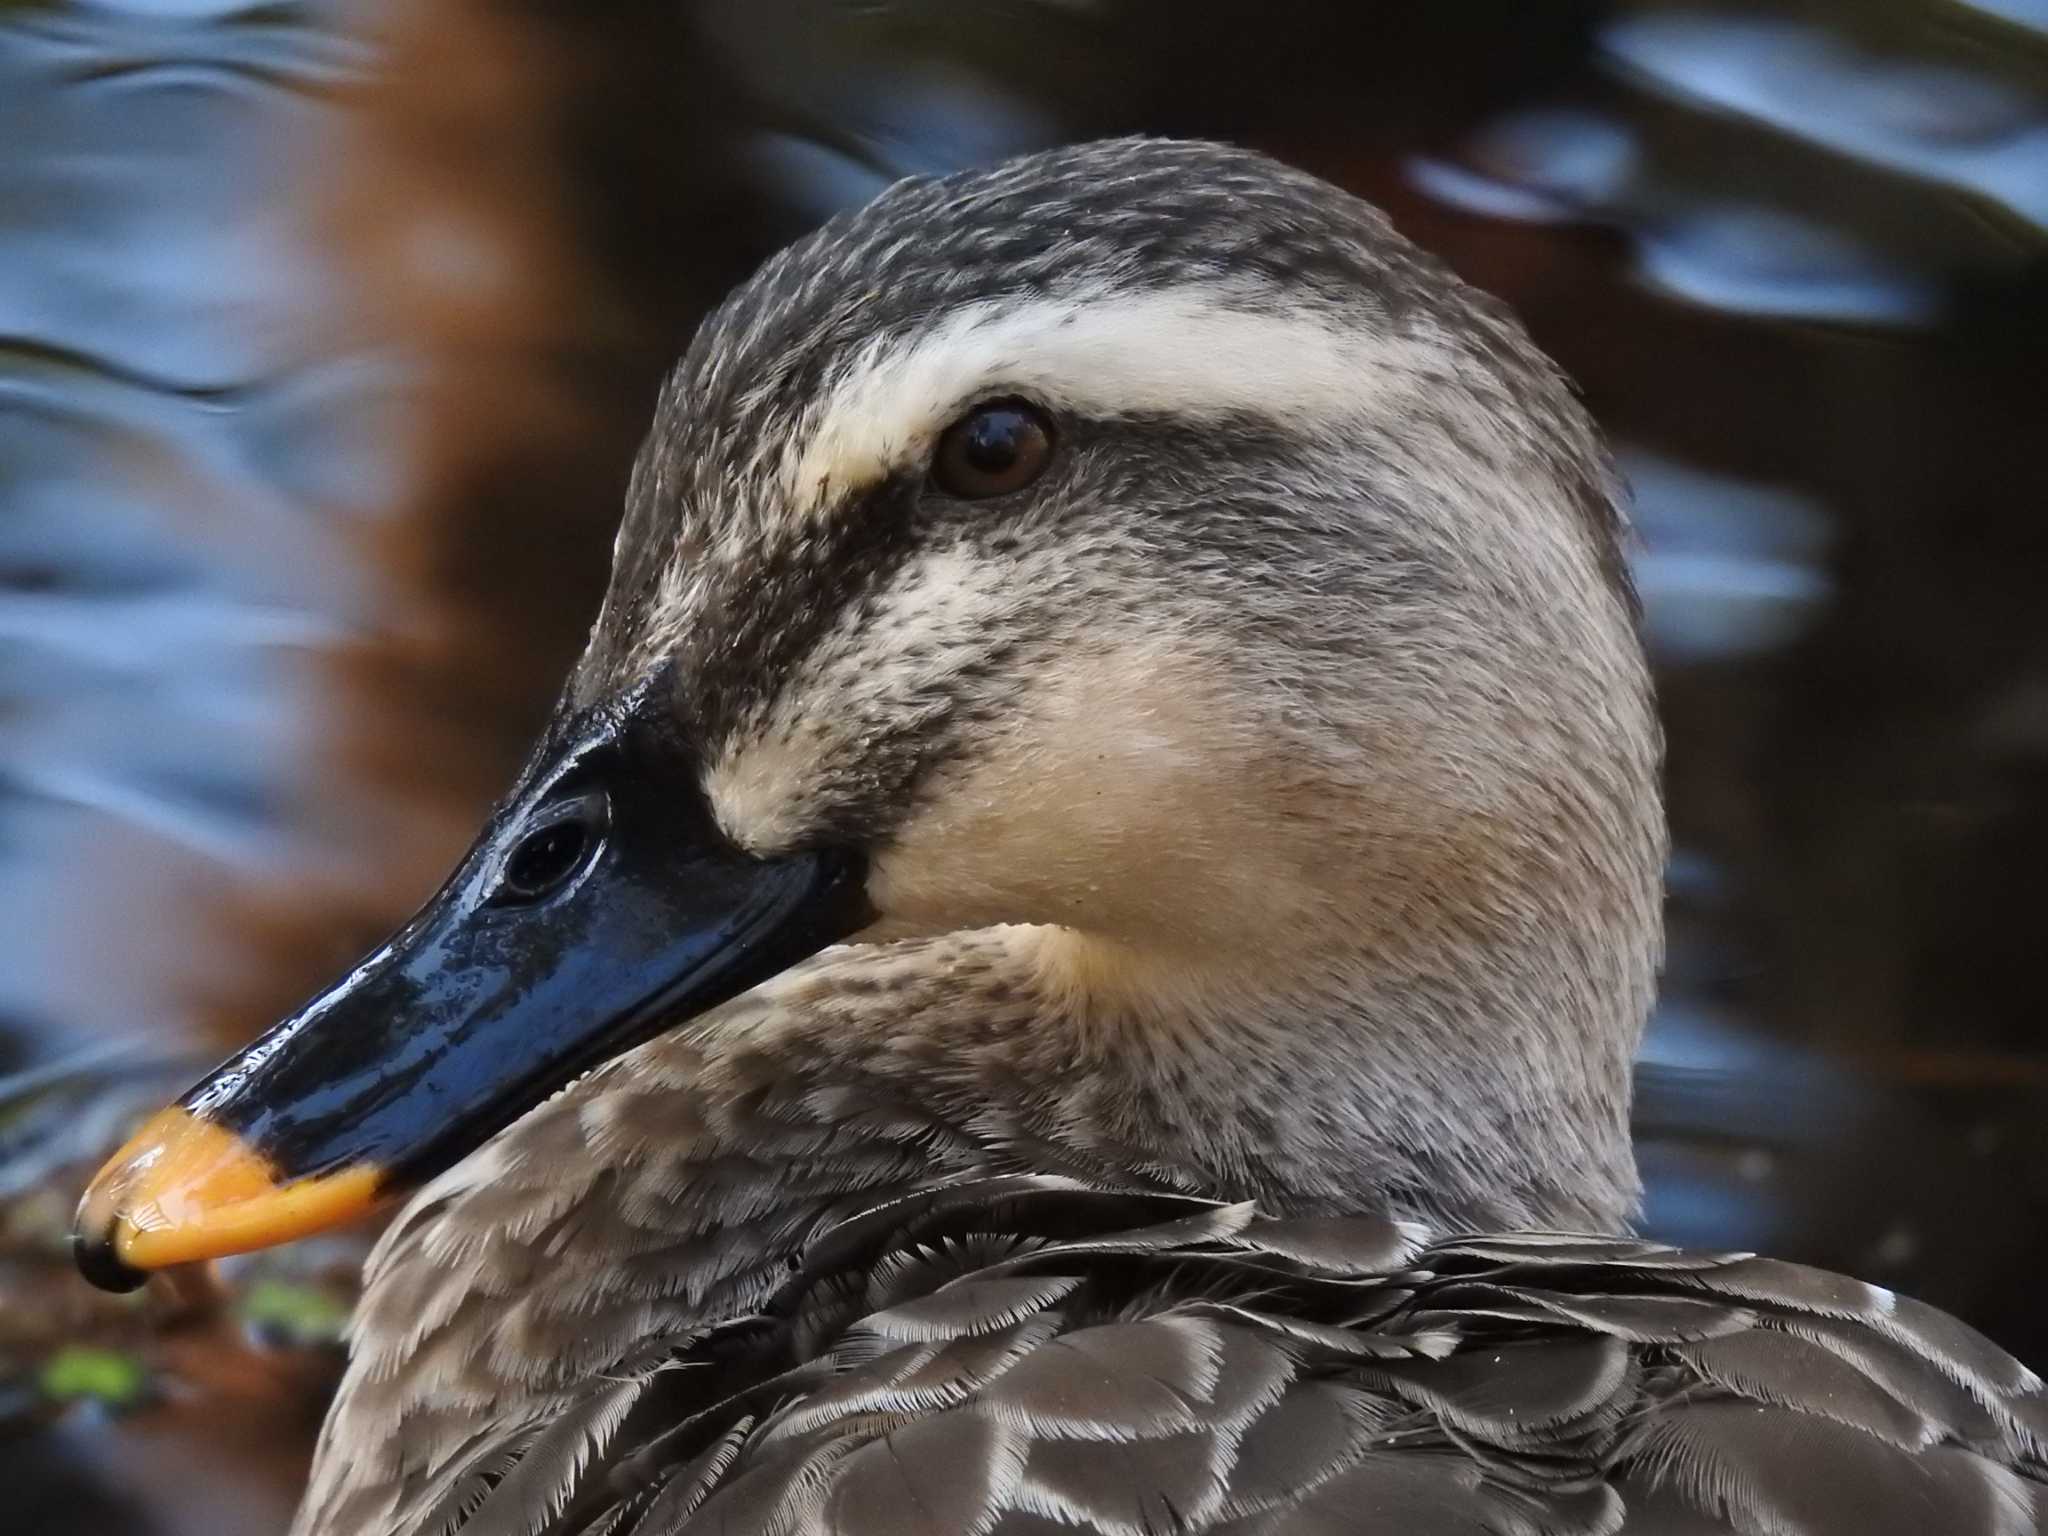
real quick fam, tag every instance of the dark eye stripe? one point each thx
(788, 593)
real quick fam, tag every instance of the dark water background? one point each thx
(327, 331)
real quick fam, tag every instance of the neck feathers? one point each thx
(670, 1190)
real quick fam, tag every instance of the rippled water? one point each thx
(326, 332)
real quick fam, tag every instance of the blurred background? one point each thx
(328, 329)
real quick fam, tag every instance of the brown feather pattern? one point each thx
(1016, 1356)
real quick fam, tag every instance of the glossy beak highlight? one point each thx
(600, 907)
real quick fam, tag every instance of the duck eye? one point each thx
(542, 861)
(994, 449)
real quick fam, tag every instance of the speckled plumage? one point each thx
(1264, 831)
(1028, 1354)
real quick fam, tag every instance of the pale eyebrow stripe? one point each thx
(1198, 352)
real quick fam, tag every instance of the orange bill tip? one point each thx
(183, 1189)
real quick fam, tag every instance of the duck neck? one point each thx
(671, 1189)
(1357, 1086)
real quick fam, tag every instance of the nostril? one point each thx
(550, 855)
(544, 859)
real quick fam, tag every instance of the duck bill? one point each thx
(599, 908)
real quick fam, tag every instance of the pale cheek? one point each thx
(755, 792)
(1125, 833)
(976, 857)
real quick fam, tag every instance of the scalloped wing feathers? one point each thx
(1024, 1357)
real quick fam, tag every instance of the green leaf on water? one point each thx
(301, 1313)
(82, 1372)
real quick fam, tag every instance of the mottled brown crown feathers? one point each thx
(1135, 216)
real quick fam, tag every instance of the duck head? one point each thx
(1138, 549)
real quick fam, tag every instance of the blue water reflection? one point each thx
(1940, 121)
(179, 446)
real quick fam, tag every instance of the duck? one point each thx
(1070, 957)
